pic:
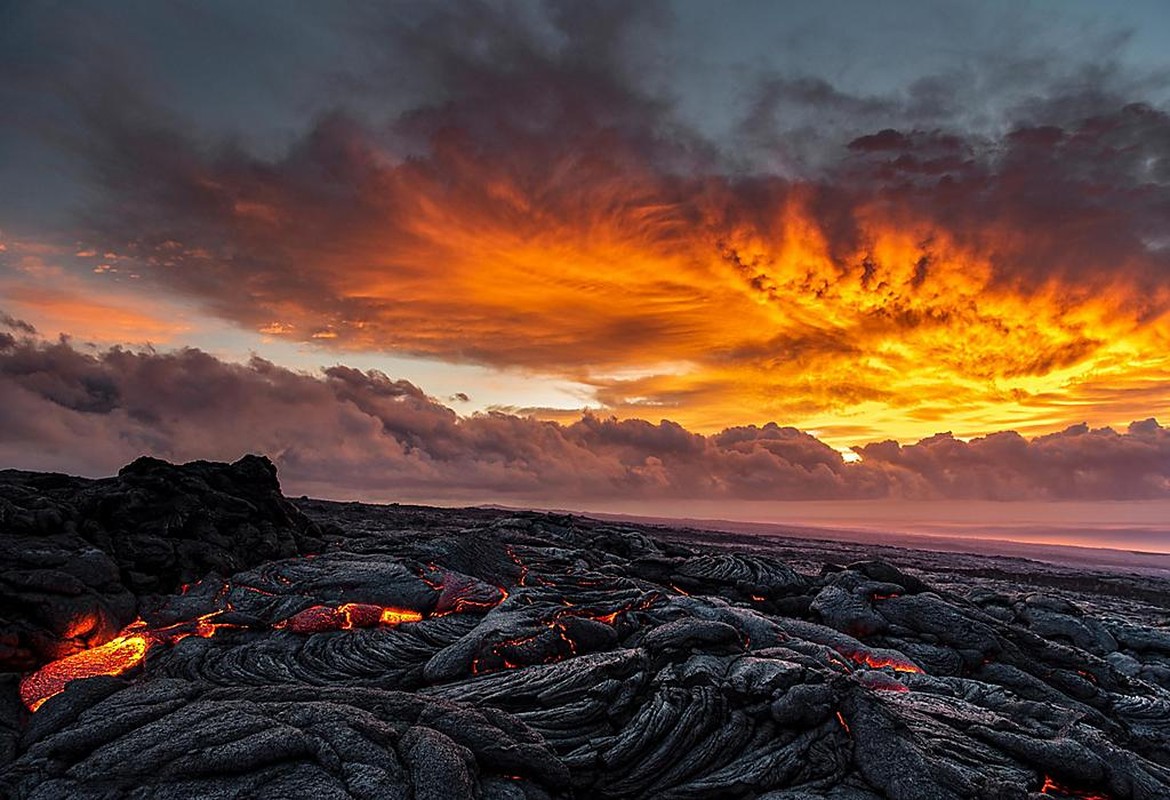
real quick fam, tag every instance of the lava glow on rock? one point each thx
(112, 658)
(879, 661)
(115, 657)
(129, 648)
(1053, 788)
(456, 594)
(347, 616)
(411, 633)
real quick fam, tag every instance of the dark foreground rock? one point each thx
(475, 653)
(79, 556)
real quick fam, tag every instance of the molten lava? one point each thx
(1053, 788)
(318, 619)
(112, 658)
(115, 657)
(456, 594)
(83, 626)
(131, 645)
(519, 562)
(202, 626)
(459, 593)
(878, 661)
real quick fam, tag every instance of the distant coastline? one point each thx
(1093, 543)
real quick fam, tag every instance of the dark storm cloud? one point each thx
(347, 432)
(1090, 197)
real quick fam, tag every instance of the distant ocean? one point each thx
(1106, 534)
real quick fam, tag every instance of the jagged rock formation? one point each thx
(472, 653)
(79, 555)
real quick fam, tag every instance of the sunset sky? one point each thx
(491, 250)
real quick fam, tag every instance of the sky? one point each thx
(493, 251)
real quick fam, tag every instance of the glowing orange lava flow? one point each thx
(318, 619)
(112, 658)
(131, 645)
(456, 595)
(519, 562)
(202, 626)
(1052, 787)
(877, 662)
(115, 657)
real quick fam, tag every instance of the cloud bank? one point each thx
(983, 247)
(353, 433)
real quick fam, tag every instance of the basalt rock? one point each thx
(473, 653)
(80, 555)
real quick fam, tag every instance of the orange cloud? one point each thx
(105, 321)
(1002, 285)
(40, 285)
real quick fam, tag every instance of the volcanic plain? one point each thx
(186, 631)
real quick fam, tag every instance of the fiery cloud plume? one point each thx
(531, 202)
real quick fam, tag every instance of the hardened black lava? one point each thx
(185, 631)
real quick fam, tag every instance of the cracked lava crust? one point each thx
(185, 631)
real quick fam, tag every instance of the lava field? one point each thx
(188, 632)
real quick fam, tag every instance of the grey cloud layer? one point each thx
(347, 432)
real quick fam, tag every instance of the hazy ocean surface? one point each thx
(1108, 534)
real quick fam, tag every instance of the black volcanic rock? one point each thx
(471, 653)
(176, 738)
(167, 524)
(78, 555)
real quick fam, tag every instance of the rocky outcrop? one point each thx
(80, 555)
(475, 653)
